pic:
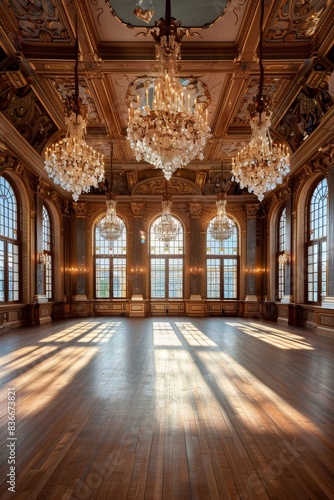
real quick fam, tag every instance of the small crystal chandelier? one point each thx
(221, 227)
(110, 227)
(167, 228)
(171, 131)
(261, 166)
(71, 162)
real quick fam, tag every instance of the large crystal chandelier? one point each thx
(71, 162)
(221, 227)
(170, 131)
(261, 166)
(110, 227)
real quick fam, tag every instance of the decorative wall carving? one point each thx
(138, 209)
(80, 209)
(252, 209)
(195, 209)
(158, 186)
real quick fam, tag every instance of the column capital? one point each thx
(252, 209)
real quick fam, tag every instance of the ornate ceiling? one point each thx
(37, 56)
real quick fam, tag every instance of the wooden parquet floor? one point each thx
(167, 408)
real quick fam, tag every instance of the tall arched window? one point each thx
(110, 266)
(222, 266)
(9, 248)
(48, 253)
(317, 244)
(280, 251)
(167, 264)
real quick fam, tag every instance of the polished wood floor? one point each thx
(168, 408)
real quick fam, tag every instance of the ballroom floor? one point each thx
(166, 408)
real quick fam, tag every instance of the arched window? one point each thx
(48, 253)
(222, 266)
(280, 253)
(317, 244)
(110, 265)
(9, 248)
(167, 264)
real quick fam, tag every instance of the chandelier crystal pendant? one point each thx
(110, 227)
(171, 130)
(72, 163)
(221, 227)
(261, 166)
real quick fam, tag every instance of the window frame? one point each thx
(222, 258)
(111, 259)
(167, 258)
(319, 242)
(12, 228)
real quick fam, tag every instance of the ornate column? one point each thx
(136, 268)
(287, 297)
(251, 260)
(40, 296)
(195, 210)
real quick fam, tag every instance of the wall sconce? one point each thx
(196, 270)
(73, 270)
(284, 259)
(137, 270)
(256, 270)
(43, 258)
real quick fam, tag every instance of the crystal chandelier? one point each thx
(167, 228)
(261, 166)
(221, 227)
(170, 131)
(110, 227)
(71, 162)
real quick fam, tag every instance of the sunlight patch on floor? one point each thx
(41, 380)
(193, 335)
(273, 336)
(164, 335)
